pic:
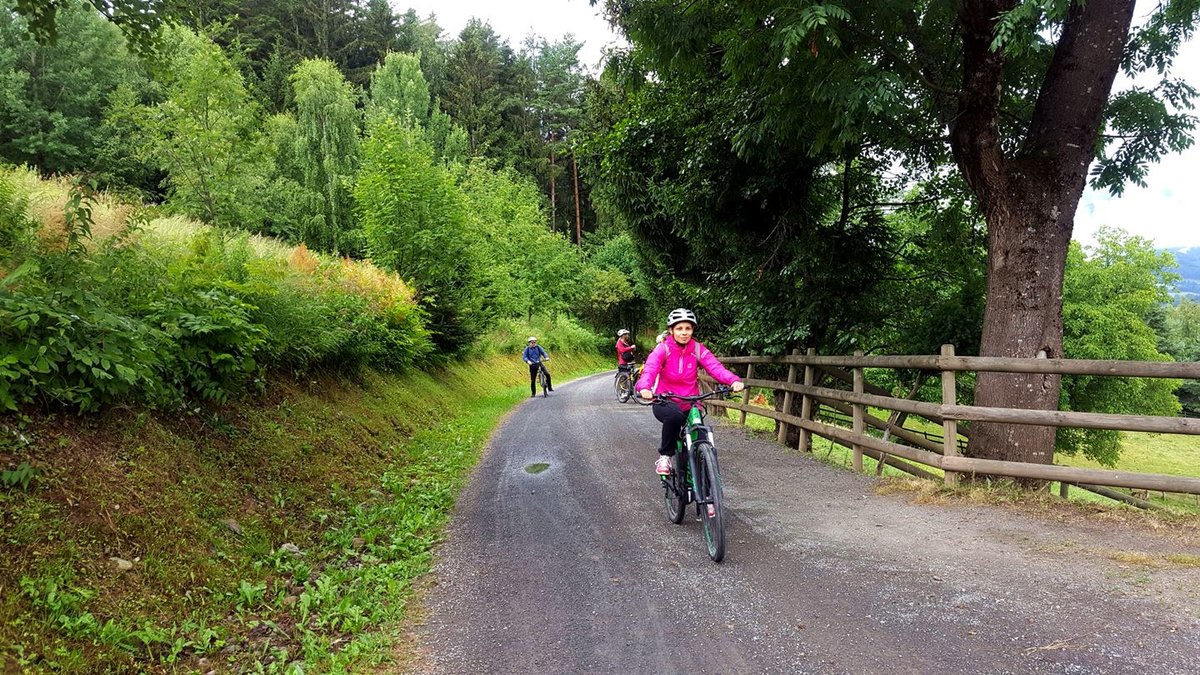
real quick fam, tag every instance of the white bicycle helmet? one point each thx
(531, 339)
(622, 332)
(681, 314)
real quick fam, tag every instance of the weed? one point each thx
(20, 478)
(1135, 558)
(1184, 559)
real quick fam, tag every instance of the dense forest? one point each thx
(709, 165)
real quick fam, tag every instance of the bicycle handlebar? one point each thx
(720, 392)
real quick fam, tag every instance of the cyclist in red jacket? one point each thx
(625, 350)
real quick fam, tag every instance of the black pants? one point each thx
(533, 373)
(673, 419)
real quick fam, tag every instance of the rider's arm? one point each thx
(623, 349)
(654, 363)
(719, 372)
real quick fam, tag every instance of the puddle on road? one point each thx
(536, 468)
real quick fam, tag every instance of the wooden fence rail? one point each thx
(948, 413)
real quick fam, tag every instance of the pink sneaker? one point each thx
(663, 466)
(712, 511)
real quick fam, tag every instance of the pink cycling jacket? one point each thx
(676, 369)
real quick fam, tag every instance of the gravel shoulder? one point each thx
(576, 568)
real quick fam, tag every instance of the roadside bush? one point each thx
(67, 345)
(213, 341)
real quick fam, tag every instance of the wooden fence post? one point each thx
(859, 423)
(787, 399)
(746, 394)
(949, 426)
(806, 404)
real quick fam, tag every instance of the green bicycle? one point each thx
(696, 475)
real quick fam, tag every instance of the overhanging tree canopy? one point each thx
(1014, 96)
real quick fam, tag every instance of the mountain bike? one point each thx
(626, 381)
(695, 474)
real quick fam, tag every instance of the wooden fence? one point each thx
(945, 455)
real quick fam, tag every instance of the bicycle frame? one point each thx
(694, 431)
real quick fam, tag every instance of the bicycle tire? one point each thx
(544, 378)
(675, 489)
(624, 387)
(708, 486)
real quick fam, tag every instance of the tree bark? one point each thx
(553, 198)
(578, 221)
(1029, 200)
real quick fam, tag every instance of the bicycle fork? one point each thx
(697, 492)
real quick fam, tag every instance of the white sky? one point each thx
(515, 19)
(1166, 211)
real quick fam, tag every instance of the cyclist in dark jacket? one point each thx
(534, 355)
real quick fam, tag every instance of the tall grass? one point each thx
(103, 303)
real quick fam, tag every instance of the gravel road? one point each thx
(576, 569)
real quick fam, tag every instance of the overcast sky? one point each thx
(1166, 211)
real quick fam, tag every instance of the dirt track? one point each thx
(576, 569)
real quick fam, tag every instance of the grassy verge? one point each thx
(279, 534)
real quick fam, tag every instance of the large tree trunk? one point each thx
(1029, 200)
(1028, 234)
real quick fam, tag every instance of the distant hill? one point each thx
(1189, 269)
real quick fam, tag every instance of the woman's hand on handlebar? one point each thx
(737, 386)
(646, 394)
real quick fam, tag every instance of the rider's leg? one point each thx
(533, 373)
(672, 418)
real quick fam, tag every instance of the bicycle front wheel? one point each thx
(712, 500)
(544, 378)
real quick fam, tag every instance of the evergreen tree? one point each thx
(424, 37)
(378, 34)
(473, 97)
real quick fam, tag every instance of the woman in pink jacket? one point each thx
(676, 363)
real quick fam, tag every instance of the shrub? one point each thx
(66, 344)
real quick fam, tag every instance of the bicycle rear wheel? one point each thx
(624, 387)
(708, 488)
(675, 487)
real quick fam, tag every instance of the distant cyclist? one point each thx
(625, 349)
(534, 355)
(675, 363)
